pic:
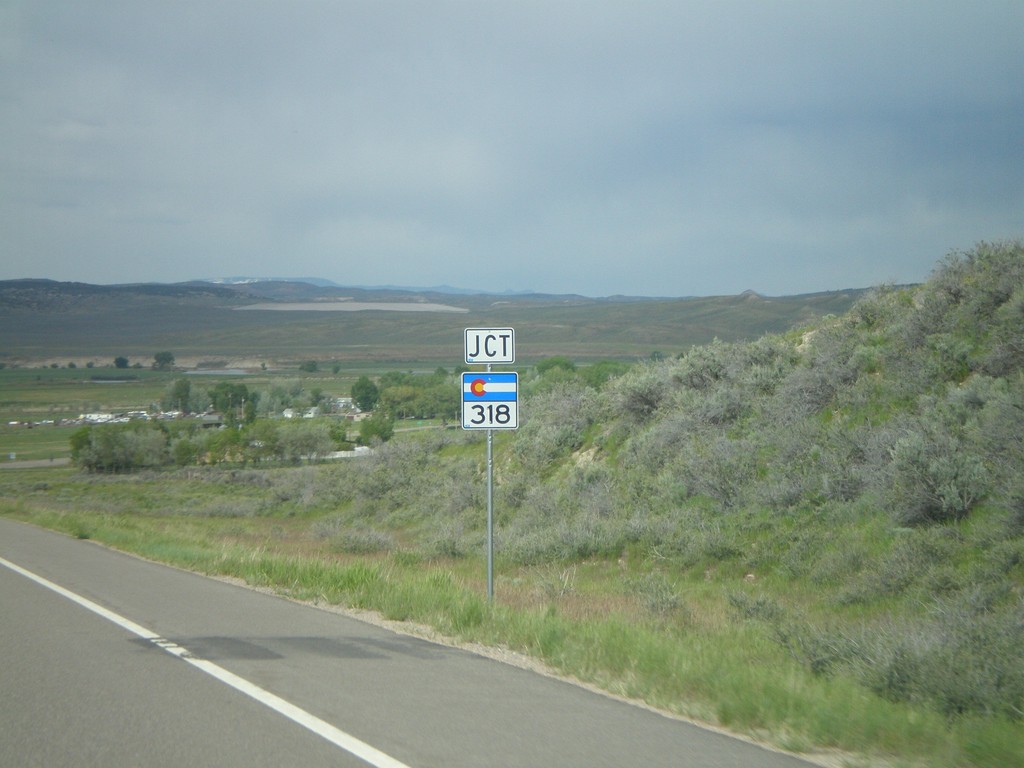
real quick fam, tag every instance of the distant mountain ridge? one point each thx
(41, 293)
(317, 281)
(46, 320)
(324, 283)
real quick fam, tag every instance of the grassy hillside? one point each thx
(815, 537)
(46, 321)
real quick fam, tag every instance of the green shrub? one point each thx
(965, 660)
(657, 593)
(934, 479)
(556, 424)
(362, 541)
(637, 394)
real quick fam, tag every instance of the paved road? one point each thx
(150, 682)
(35, 463)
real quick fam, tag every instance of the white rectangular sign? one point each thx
(490, 345)
(490, 400)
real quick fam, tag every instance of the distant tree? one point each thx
(309, 366)
(120, 362)
(441, 401)
(228, 398)
(379, 427)
(119, 448)
(599, 373)
(365, 393)
(398, 400)
(316, 397)
(80, 440)
(223, 445)
(185, 451)
(262, 441)
(163, 361)
(304, 439)
(177, 398)
(553, 363)
(338, 434)
(552, 373)
(249, 408)
(396, 379)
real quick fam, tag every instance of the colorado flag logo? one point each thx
(490, 400)
(489, 387)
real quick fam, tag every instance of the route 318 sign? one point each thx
(490, 400)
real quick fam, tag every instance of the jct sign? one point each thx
(490, 345)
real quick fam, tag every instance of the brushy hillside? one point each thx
(856, 488)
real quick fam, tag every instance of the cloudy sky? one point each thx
(659, 148)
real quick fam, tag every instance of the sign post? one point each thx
(490, 401)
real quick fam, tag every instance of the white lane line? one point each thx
(336, 736)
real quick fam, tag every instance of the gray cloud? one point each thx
(659, 148)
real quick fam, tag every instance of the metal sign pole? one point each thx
(490, 516)
(490, 511)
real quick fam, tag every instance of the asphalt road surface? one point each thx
(109, 660)
(35, 463)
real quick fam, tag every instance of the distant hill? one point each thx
(318, 281)
(313, 289)
(45, 320)
(50, 294)
(323, 283)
